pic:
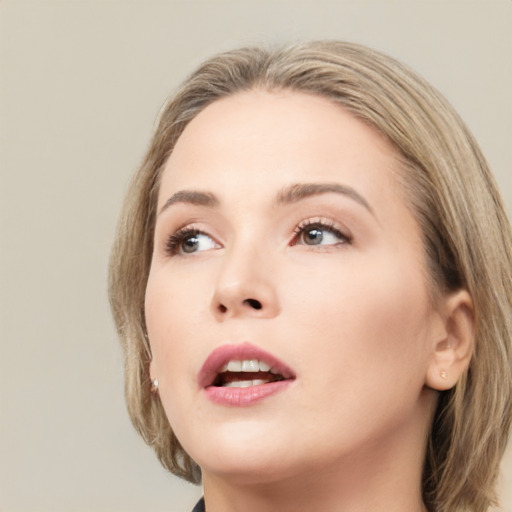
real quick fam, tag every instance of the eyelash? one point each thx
(172, 247)
(322, 225)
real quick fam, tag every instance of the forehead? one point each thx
(258, 139)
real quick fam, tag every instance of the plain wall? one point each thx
(81, 83)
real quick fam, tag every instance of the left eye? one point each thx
(196, 243)
(190, 241)
(319, 234)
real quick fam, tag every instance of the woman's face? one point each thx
(283, 237)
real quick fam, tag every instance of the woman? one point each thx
(312, 285)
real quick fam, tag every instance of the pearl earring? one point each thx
(443, 374)
(154, 385)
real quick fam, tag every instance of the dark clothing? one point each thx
(200, 506)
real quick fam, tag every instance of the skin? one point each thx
(352, 316)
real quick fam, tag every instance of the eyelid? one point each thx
(176, 237)
(325, 223)
(172, 241)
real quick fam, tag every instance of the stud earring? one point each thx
(443, 374)
(154, 385)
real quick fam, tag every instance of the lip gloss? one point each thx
(241, 396)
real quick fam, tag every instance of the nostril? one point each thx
(251, 303)
(255, 304)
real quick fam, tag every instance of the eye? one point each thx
(319, 233)
(188, 241)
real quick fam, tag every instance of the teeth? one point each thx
(234, 366)
(264, 367)
(247, 365)
(245, 383)
(250, 365)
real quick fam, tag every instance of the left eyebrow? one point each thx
(300, 191)
(194, 197)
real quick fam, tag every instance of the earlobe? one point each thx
(451, 352)
(152, 377)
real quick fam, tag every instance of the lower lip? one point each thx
(243, 397)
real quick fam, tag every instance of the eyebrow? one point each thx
(300, 191)
(191, 197)
(288, 195)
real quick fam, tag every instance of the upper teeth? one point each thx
(247, 365)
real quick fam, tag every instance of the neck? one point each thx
(322, 491)
(385, 477)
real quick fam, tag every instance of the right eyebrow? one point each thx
(299, 191)
(191, 197)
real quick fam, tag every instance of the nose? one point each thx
(245, 287)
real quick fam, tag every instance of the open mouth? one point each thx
(246, 373)
(242, 375)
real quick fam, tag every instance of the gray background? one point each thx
(81, 84)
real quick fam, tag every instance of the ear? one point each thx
(453, 347)
(152, 369)
(153, 380)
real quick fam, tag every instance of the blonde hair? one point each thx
(466, 232)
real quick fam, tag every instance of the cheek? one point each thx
(362, 340)
(178, 318)
(168, 309)
(373, 315)
(171, 310)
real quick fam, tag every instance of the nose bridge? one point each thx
(244, 284)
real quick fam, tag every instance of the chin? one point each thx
(245, 451)
(252, 469)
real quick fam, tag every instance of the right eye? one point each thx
(188, 241)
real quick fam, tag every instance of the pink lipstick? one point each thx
(241, 375)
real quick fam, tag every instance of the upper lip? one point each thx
(225, 353)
